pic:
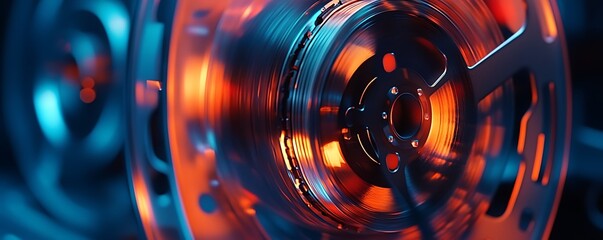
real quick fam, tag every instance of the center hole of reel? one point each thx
(406, 115)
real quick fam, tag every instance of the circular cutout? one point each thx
(389, 62)
(393, 162)
(207, 203)
(406, 115)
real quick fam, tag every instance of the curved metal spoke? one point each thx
(513, 55)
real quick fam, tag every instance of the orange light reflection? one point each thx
(444, 121)
(333, 154)
(516, 188)
(509, 13)
(144, 205)
(523, 127)
(352, 57)
(538, 157)
(547, 21)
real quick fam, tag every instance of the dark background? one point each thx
(581, 211)
(4, 145)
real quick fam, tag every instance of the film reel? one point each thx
(65, 71)
(348, 119)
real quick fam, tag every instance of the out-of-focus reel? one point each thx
(63, 91)
(348, 119)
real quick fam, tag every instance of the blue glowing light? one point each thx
(48, 111)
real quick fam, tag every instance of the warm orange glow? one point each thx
(516, 188)
(509, 13)
(329, 109)
(247, 201)
(547, 21)
(203, 91)
(438, 162)
(283, 148)
(154, 84)
(351, 58)
(412, 232)
(197, 91)
(389, 62)
(193, 81)
(443, 126)
(379, 199)
(546, 176)
(538, 157)
(523, 130)
(141, 193)
(435, 176)
(333, 155)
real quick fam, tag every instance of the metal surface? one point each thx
(351, 119)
